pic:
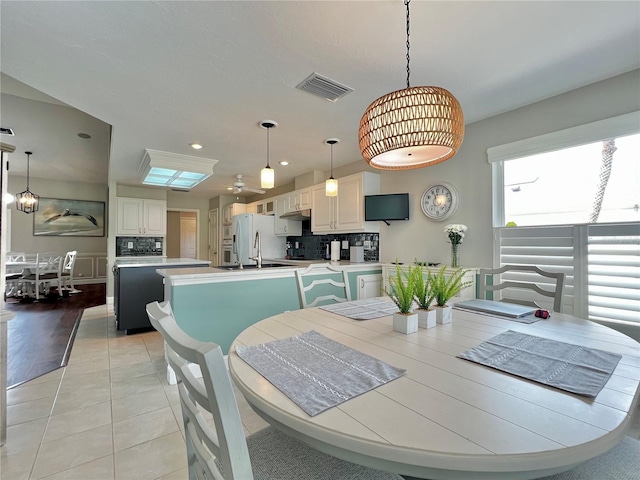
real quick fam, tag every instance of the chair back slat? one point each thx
(327, 289)
(221, 453)
(524, 275)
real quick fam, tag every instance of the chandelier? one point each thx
(411, 128)
(27, 201)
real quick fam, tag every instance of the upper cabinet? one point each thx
(344, 213)
(139, 217)
(262, 207)
(228, 211)
(298, 200)
(284, 227)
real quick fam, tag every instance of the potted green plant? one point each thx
(446, 286)
(401, 289)
(424, 296)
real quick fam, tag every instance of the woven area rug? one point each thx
(316, 372)
(573, 368)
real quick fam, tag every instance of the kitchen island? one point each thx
(217, 303)
(136, 283)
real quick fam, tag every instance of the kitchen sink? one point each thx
(254, 266)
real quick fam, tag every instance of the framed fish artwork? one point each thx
(69, 218)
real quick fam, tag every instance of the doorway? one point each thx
(182, 233)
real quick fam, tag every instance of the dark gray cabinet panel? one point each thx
(134, 287)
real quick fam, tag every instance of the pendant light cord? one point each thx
(268, 128)
(331, 176)
(28, 155)
(406, 2)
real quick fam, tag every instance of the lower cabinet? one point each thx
(134, 287)
(369, 286)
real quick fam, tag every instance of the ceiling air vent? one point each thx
(324, 87)
(6, 131)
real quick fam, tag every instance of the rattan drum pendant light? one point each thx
(411, 128)
(27, 201)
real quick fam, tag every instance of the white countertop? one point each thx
(158, 262)
(218, 274)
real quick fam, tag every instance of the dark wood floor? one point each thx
(40, 336)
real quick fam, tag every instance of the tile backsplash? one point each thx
(313, 247)
(139, 246)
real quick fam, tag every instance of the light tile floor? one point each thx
(109, 415)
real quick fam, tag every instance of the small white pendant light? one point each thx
(27, 201)
(267, 174)
(411, 128)
(331, 185)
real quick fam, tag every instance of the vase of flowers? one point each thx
(401, 292)
(455, 232)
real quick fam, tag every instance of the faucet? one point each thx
(256, 243)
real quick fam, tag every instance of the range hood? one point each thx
(298, 215)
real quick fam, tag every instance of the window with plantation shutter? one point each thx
(614, 272)
(549, 248)
(593, 239)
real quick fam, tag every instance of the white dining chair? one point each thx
(47, 270)
(324, 286)
(523, 285)
(221, 451)
(68, 266)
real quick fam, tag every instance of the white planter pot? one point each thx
(443, 314)
(405, 323)
(426, 318)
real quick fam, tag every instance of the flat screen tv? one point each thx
(384, 208)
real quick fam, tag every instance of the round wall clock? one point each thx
(439, 201)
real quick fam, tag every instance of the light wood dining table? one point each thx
(448, 418)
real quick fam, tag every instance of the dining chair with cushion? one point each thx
(47, 270)
(522, 285)
(67, 272)
(219, 449)
(327, 284)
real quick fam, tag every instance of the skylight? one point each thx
(165, 169)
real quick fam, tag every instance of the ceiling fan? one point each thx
(240, 186)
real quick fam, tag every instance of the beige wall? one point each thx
(22, 238)
(470, 172)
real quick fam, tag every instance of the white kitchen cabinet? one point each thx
(140, 217)
(389, 270)
(285, 227)
(252, 207)
(265, 207)
(298, 200)
(232, 209)
(369, 286)
(344, 213)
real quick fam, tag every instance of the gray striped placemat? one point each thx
(570, 367)
(316, 372)
(363, 309)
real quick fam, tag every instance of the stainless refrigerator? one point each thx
(245, 227)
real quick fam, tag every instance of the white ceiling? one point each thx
(164, 74)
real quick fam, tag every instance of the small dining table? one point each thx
(446, 417)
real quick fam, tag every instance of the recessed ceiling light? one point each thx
(84, 135)
(284, 163)
(196, 146)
